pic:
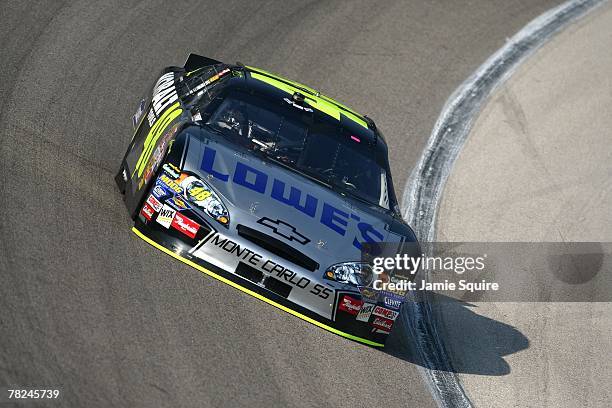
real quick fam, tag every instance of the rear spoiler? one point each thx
(195, 61)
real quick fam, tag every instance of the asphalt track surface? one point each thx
(88, 307)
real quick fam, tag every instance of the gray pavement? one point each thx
(88, 307)
(536, 168)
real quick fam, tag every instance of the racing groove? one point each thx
(91, 309)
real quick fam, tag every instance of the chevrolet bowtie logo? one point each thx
(283, 229)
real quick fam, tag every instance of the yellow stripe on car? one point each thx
(252, 293)
(275, 83)
(294, 83)
(154, 133)
(320, 102)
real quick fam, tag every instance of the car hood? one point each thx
(260, 194)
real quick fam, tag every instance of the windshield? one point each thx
(289, 134)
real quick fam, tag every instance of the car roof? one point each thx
(268, 83)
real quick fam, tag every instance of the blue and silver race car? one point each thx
(270, 187)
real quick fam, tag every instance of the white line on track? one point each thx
(426, 182)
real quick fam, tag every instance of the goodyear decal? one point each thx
(153, 136)
(315, 99)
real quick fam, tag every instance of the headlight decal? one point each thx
(202, 196)
(353, 273)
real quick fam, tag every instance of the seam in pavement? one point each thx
(426, 182)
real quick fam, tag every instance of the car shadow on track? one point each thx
(471, 343)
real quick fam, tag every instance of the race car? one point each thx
(270, 187)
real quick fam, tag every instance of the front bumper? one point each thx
(344, 324)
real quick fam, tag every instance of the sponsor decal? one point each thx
(143, 180)
(179, 203)
(172, 171)
(185, 225)
(164, 94)
(369, 294)
(151, 117)
(365, 312)
(147, 211)
(350, 305)
(382, 324)
(138, 114)
(217, 76)
(328, 215)
(166, 215)
(393, 301)
(267, 265)
(154, 203)
(384, 312)
(397, 289)
(284, 229)
(159, 191)
(170, 184)
(208, 82)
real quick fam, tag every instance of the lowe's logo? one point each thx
(258, 181)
